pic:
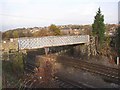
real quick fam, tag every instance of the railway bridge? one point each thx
(51, 41)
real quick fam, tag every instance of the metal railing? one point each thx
(49, 41)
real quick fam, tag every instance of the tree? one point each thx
(15, 34)
(21, 33)
(28, 34)
(98, 28)
(54, 29)
(40, 33)
(7, 35)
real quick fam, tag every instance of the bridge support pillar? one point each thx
(46, 50)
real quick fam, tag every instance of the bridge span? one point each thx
(50, 41)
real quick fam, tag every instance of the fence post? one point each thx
(117, 60)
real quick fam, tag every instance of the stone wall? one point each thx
(92, 46)
(84, 50)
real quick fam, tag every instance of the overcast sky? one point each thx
(31, 13)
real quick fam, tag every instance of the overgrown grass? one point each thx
(12, 68)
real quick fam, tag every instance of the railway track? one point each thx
(67, 83)
(107, 73)
(106, 77)
(61, 82)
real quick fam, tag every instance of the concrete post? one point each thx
(117, 60)
(46, 50)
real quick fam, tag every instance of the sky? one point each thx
(39, 13)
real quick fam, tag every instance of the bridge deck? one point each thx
(49, 41)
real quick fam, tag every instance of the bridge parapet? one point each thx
(50, 41)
